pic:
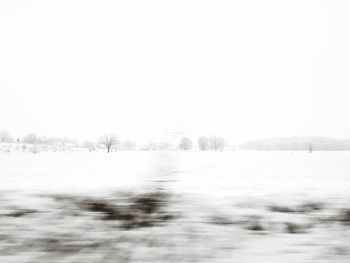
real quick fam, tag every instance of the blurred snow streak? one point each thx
(175, 207)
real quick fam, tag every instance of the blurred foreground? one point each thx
(261, 207)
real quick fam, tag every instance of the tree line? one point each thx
(214, 143)
(32, 138)
(111, 142)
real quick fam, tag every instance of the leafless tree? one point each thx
(185, 144)
(89, 145)
(109, 140)
(30, 138)
(216, 143)
(203, 143)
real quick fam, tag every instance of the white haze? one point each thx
(240, 69)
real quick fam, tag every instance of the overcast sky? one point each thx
(242, 69)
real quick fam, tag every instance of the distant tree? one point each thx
(109, 140)
(128, 145)
(31, 138)
(163, 146)
(216, 143)
(203, 143)
(6, 137)
(151, 146)
(59, 141)
(42, 140)
(185, 144)
(155, 146)
(310, 148)
(88, 145)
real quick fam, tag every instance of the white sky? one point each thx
(242, 69)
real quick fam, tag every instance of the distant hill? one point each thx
(297, 144)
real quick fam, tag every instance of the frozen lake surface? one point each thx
(175, 207)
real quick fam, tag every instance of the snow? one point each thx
(238, 206)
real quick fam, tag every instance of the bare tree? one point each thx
(88, 145)
(31, 138)
(109, 140)
(216, 143)
(185, 144)
(203, 143)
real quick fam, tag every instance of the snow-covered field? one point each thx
(175, 207)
